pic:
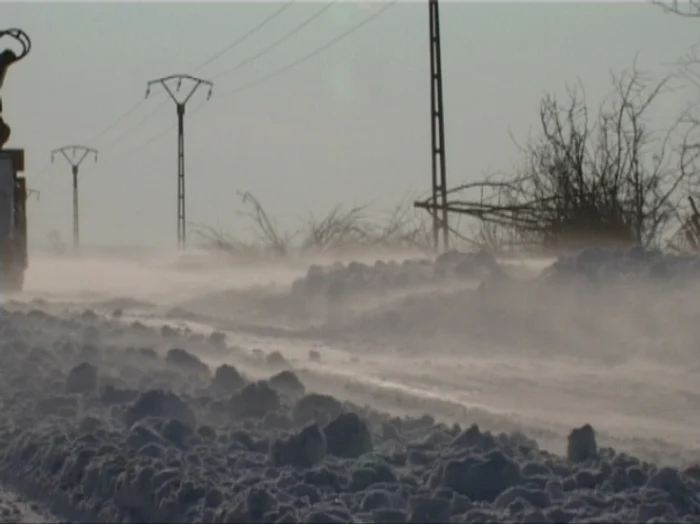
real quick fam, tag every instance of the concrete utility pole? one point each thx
(180, 105)
(75, 158)
(437, 131)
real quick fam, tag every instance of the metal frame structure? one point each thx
(180, 105)
(75, 166)
(437, 204)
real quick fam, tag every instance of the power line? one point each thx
(277, 72)
(116, 122)
(248, 60)
(160, 134)
(312, 54)
(223, 51)
(141, 122)
(277, 42)
(247, 35)
(151, 140)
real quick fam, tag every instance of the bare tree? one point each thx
(687, 236)
(605, 178)
(688, 8)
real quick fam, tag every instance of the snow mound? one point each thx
(339, 281)
(171, 445)
(598, 264)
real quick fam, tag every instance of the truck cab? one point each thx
(13, 220)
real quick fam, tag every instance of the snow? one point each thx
(454, 390)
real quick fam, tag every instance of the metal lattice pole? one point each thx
(180, 105)
(437, 131)
(75, 155)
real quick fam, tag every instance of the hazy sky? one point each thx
(348, 126)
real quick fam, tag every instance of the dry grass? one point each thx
(343, 231)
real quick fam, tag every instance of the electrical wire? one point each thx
(245, 36)
(250, 59)
(277, 42)
(141, 122)
(115, 122)
(150, 141)
(223, 51)
(161, 133)
(301, 60)
(317, 51)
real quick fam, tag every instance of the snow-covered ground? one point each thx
(460, 390)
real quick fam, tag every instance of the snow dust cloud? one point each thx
(460, 388)
(161, 277)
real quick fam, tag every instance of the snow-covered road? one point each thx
(639, 406)
(637, 402)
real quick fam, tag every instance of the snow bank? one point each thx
(602, 302)
(104, 431)
(339, 282)
(599, 264)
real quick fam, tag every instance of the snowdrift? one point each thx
(606, 264)
(605, 302)
(339, 281)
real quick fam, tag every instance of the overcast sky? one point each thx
(350, 125)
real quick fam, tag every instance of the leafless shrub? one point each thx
(266, 230)
(337, 232)
(404, 228)
(687, 236)
(603, 180)
(401, 229)
(338, 228)
(218, 241)
(688, 9)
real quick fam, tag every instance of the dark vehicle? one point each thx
(13, 220)
(13, 186)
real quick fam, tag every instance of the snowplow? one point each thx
(13, 185)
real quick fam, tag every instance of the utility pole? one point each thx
(180, 105)
(74, 158)
(437, 130)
